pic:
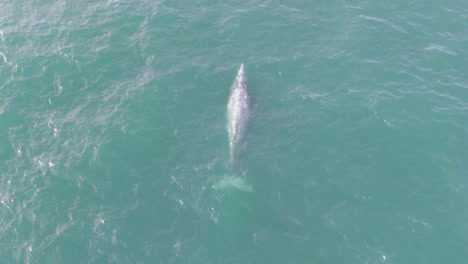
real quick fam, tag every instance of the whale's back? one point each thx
(237, 111)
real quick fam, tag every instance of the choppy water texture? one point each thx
(114, 147)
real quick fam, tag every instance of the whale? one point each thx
(238, 108)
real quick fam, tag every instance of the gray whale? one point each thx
(237, 112)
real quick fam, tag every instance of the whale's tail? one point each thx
(233, 182)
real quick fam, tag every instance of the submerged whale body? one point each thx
(237, 112)
(237, 116)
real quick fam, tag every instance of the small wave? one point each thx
(385, 22)
(441, 49)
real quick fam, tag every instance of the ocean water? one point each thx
(114, 146)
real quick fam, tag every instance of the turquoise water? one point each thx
(114, 147)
